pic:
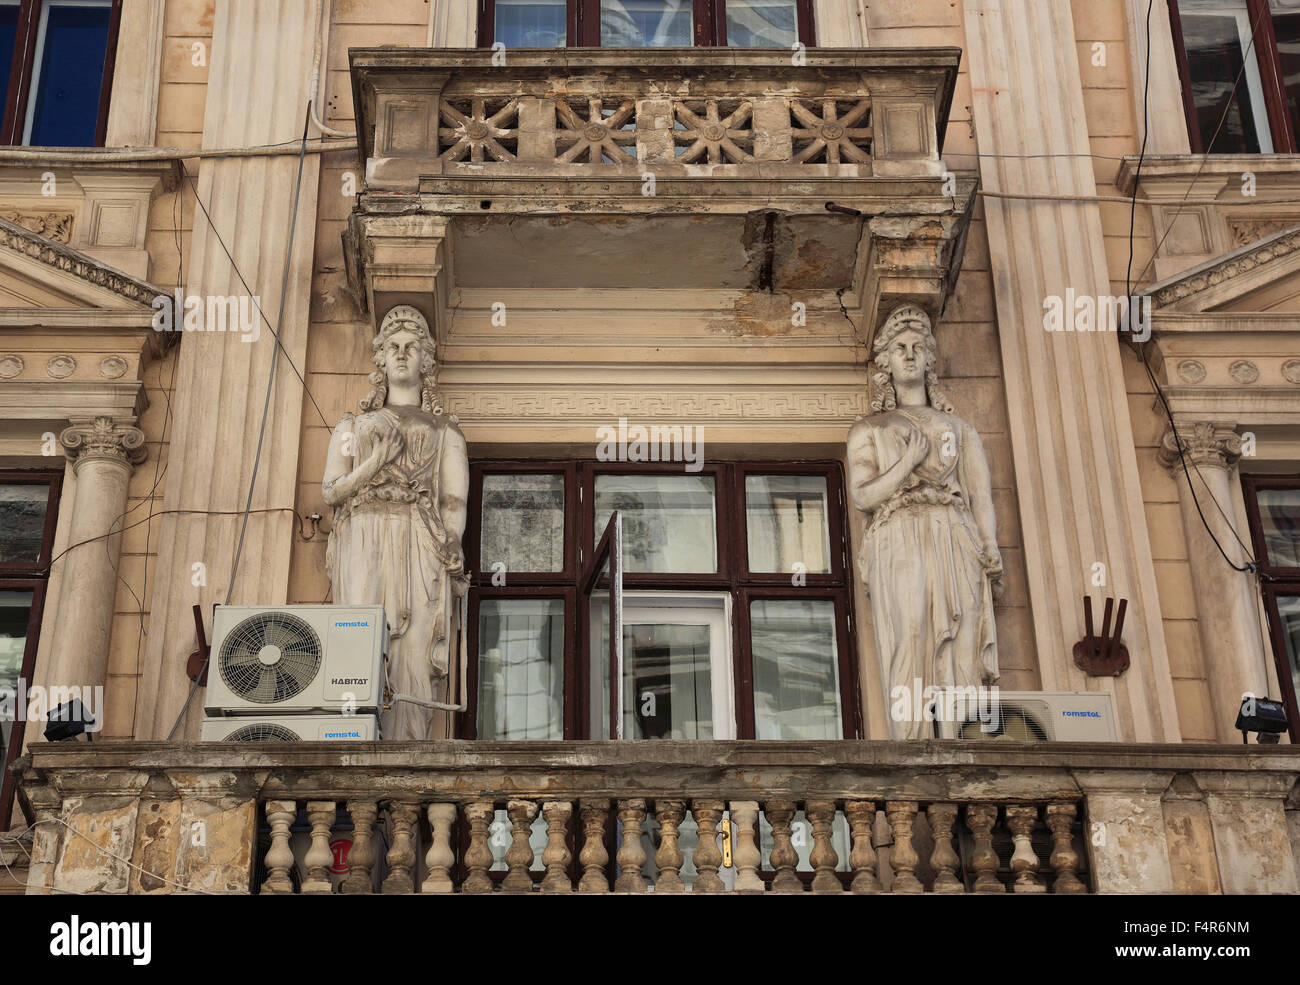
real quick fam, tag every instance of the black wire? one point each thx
(249, 291)
(266, 406)
(130, 526)
(275, 354)
(1128, 281)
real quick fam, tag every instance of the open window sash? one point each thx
(606, 571)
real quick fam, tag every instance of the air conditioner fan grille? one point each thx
(270, 657)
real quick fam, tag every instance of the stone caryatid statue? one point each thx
(929, 556)
(397, 475)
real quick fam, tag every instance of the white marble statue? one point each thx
(929, 556)
(397, 476)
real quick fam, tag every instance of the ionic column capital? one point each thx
(103, 439)
(1205, 443)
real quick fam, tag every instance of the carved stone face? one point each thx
(403, 359)
(908, 357)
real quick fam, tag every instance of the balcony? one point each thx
(601, 817)
(701, 170)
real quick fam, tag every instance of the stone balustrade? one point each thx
(668, 817)
(745, 113)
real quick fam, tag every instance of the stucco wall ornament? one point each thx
(397, 475)
(1291, 371)
(929, 556)
(11, 365)
(1244, 371)
(60, 367)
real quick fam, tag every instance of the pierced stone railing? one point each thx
(705, 817)
(597, 825)
(748, 113)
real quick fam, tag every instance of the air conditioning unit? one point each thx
(296, 659)
(290, 728)
(1024, 716)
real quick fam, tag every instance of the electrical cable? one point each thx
(249, 291)
(1251, 566)
(266, 406)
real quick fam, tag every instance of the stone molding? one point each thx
(823, 406)
(1215, 272)
(82, 266)
(1205, 445)
(105, 440)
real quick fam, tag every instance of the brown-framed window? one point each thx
(737, 601)
(1273, 506)
(29, 505)
(1248, 92)
(645, 23)
(58, 57)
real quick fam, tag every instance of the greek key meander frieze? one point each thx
(823, 406)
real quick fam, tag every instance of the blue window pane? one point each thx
(72, 48)
(762, 23)
(645, 23)
(8, 35)
(530, 23)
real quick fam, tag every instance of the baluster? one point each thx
(669, 857)
(631, 856)
(519, 856)
(862, 857)
(279, 857)
(980, 818)
(821, 814)
(478, 857)
(361, 856)
(401, 853)
(1024, 861)
(708, 814)
(556, 856)
(744, 852)
(783, 858)
(593, 856)
(440, 857)
(319, 858)
(943, 859)
(902, 857)
(1064, 859)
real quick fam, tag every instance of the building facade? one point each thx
(655, 244)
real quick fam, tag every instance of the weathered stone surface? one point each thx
(100, 828)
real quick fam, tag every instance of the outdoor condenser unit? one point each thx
(296, 659)
(290, 728)
(1024, 716)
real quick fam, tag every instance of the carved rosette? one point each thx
(104, 440)
(1215, 445)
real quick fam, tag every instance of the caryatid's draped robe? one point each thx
(390, 545)
(921, 558)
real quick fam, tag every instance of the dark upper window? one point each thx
(1273, 505)
(29, 503)
(1248, 93)
(645, 23)
(59, 60)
